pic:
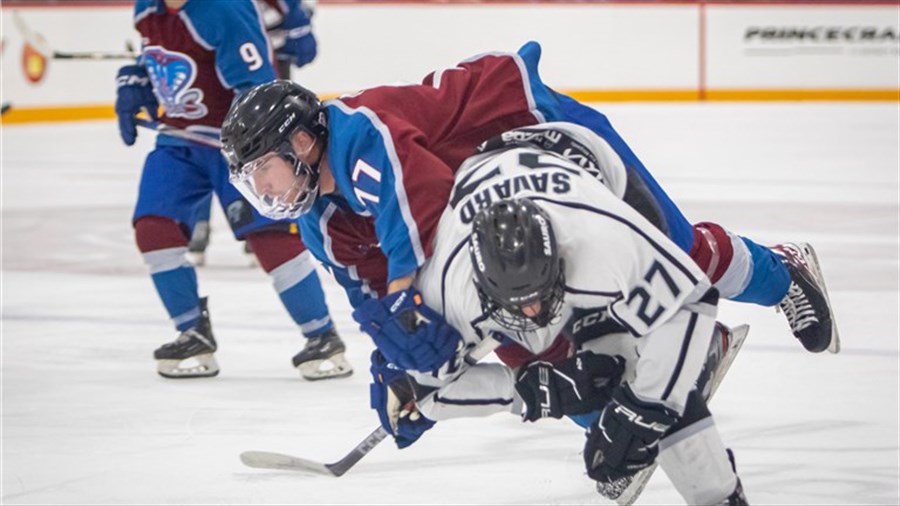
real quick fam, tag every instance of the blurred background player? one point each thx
(196, 56)
(289, 28)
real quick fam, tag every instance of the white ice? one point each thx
(85, 418)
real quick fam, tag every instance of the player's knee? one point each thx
(154, 233)
(275, 248)
(712, 249)
(695, 410)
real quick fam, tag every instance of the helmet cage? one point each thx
(295, 201)
(261, 124)
(508, 314)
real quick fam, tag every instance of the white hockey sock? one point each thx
(696, 462)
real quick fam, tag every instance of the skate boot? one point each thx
(252, 261)
(190, 355)
(199, 242)
(323, 358)
(737, 498)
(806, 305)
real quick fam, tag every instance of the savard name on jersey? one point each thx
(547, 174)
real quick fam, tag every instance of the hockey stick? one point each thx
(271, 460)
(180, 133)
(95, 55)
(625, 494)
(39, 44)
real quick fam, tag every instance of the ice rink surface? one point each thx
(86, 420)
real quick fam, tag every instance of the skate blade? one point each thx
(196, 258)
(335, 366)
(813, 260)
(199, 366)
(736, 338)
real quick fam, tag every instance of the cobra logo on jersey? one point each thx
(173, 74)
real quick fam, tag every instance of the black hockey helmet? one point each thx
(516, 263)
(259, 125)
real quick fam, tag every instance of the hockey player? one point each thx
(531, 245)
(371, 173)
(196, 56)
(289, 28)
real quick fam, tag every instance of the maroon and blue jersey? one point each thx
(394, 150)
(199, 56)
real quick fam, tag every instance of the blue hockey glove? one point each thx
(624, 440)
(408, 333)
(392, 396)
(300, 43)
(134, 93)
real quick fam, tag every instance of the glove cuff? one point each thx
(648, 420)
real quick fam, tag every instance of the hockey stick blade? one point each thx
(33, 39)
(270, 460)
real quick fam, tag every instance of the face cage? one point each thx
(510, 316)
(275, 207)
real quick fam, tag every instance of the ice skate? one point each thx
(806, 305)
(323, 358)
(737, 498)
(198, 244)
(191, 354)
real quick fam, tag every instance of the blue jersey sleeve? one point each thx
(314, 239)
(145, 8)
(369, 175)
(235, 32)
(355, 289)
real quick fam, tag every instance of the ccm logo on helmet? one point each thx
(288, 121)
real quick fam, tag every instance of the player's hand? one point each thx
(392, 396)
(576, 386)
(407, 332)
(301, 49)
(624, 440)
(134, 93)
(300, 44)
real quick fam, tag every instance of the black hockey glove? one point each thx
(575, 386)
(625, 438)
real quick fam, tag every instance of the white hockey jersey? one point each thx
(615, 260)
